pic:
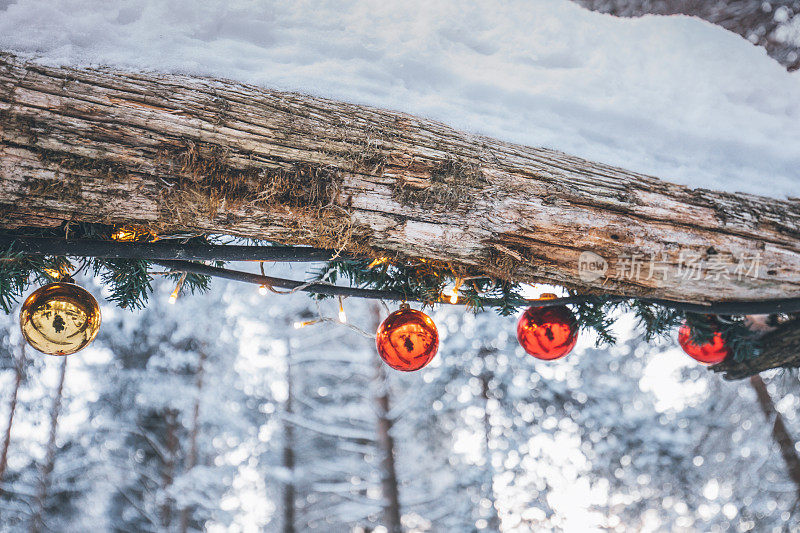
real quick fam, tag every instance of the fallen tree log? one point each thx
(779, 349)
(175, 153)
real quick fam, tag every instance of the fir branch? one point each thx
(594, 314)
(657, 320)
(417, 280)
(702, 328)
(424, 282)
(193, 283)
(511, 298)
(17, 270)
(127, 279)
(743, 343)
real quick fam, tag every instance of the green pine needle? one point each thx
(130, 285)
(128, 281)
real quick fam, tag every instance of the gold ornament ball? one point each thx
(60, 318)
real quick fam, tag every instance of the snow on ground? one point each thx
(674, 97)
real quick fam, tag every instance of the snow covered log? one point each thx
(176, 153)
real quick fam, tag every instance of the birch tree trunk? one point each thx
(390, 487)
(37, 520)
(19, 369)
(191, 459)
(779, 432)
(288, 449)
(493, 522)
(170, 460)
(175, 153)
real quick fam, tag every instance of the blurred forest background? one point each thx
(217, 414)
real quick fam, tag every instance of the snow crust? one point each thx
(674, 97)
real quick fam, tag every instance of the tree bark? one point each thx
(170, 460)
(390, 487)
(288, 449)
(191, 459)
(175, 153)
(19, 369)
(37, 520)
(779, 349)
(779, 431)
(493, 522)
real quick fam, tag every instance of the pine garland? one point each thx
(129, 280)
(743, 343)
(17, 271)
(426, 282)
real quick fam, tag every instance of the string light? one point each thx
(174, 296)
(56, 274)
(342, 315)
(123, 235)
(131, 234)
(262, 289)
(298, 325)
(454, 293)
(376, 262)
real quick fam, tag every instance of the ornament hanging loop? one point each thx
(60, 275)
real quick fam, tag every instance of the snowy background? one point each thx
(178, 418)
(633, 438)
(675, 97)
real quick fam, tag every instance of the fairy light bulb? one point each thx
(342, 314)
(262, 290)
(376, 262)
(124, 234)
(454, 292)
(132, 234)
(55, 273)
(174, 296)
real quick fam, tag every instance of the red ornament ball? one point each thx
(407, 340)
(548, 332)
(710, 353)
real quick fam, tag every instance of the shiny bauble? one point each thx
(60, 318)
(547, 332)
(407, 340)
(713, 352)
